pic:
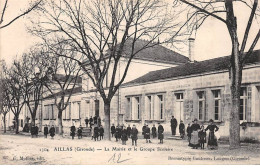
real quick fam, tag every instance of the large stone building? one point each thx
(162, 83)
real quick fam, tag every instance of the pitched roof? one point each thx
(154, 52)
(63, 78)
(75, 90)
(216, 64)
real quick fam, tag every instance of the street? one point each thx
(21, 149)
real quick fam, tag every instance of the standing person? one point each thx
(202, 137)
(52, 132)
(195, 127)
(96, 132)
(143, 130)
(113, 130)
(101, 132)
(154, 131)
(134, 133)
(99, 121)
(189, 133)
(36, 131)
(173, 125)
(90, 121)
(45, 130)
(160, 133)
(147, 134)
(80, 132)
(117, 133)
(95, 119)
(86, 121)
(212, 140)
(128, 131)
(182, 129)
(124, 136)
(72, 131)
(33, 131)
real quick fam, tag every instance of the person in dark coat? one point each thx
(45, 130)
(101, 132)
(52, 132)
(72, 131)
(86, 121)
(147, 134)
(95, 119)
(36, 131)
(99, 121)
(96, 132)
(182, 129)
(212, 140)
(113, 130)
(90, 121)
(160, 133)
(195, 127)
(189, 133)
(154, 131)
(202, 137)
(173, 125)
(80, 132)
(143, 130)
(118, 133)
(128, 131)
(134, 133)
(124, 136)
(33, 131)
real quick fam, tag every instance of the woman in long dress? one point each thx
(212, 140)
(194, 142)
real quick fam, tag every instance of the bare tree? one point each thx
(4, 105)
(4, 23)
(14, 91)
(34, 74)
(65, 76)
(100, 30)
(223, 11)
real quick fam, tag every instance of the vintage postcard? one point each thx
(130, 82)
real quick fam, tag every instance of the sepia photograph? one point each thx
(129, 82)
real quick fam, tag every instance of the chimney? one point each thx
(191, 49)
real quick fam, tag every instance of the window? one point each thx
(201, 105)
(161, 106)
(243, 103)
(135, 109)
(217, 104)
(76, 110)
(149, 108)
(46, 112)
(179, 96)
(67, 112)
(51, 112)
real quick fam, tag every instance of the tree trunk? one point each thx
(60, 122)
(33, 121)
(17, 124)
(235, 77)
(5, 122)
(107, 121)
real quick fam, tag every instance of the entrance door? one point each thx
(97, 108)
(179, 109)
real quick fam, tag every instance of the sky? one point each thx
(212, 39)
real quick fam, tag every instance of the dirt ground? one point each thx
(21, 149)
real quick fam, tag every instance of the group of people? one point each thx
(73, 131)
(98, 132)
(46, 131)
(197, 135)
(123, 133)
(92, 121)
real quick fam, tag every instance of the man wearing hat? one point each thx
(173, 125)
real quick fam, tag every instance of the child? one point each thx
(124, 136)
(80, 132)
(182, 129)
(202, 137)
(189, 133)
(154, 131)
(101, 132)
